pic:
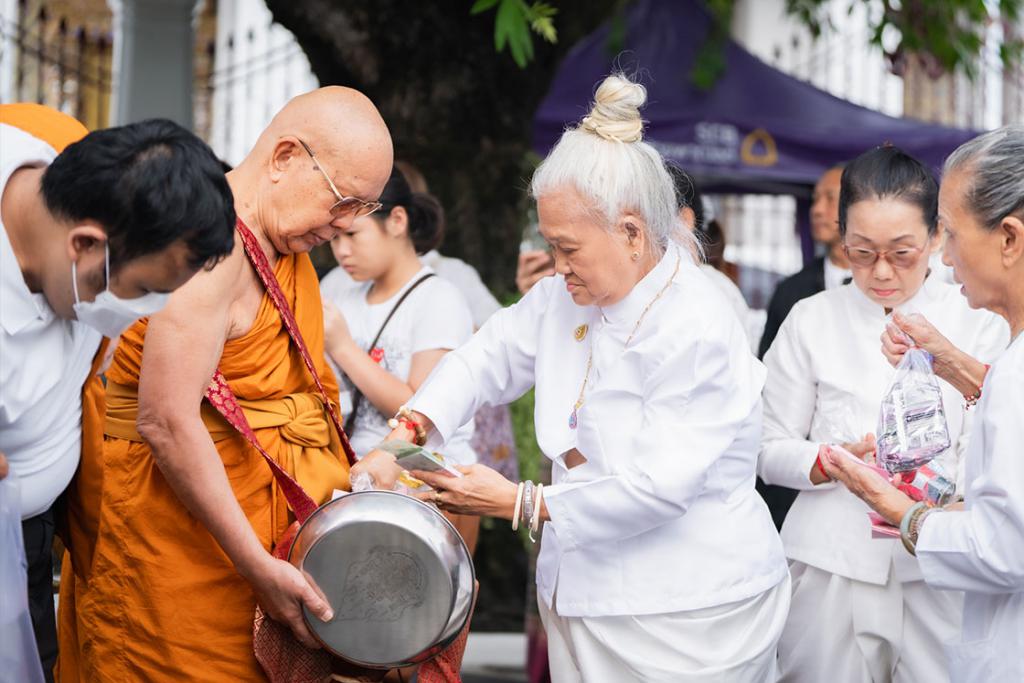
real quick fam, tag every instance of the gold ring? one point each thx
(437, 498)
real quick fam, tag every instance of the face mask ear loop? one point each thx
(74, 281)
(106, 258)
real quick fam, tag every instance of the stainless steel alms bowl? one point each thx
(396, 573)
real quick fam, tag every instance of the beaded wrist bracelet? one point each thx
(909, 520)
(405, 419)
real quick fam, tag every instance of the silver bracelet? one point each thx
(527, 514)
(535, 513)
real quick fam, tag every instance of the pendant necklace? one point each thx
(574, 416)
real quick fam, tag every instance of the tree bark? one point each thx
(457, 109)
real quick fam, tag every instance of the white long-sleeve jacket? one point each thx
(826, 380)
(981, 550)
(663, 516)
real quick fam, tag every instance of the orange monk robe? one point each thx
(150, 595)
(54, 127)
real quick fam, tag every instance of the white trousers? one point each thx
(846, 631)
(732, 643)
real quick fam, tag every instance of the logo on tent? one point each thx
(758, 149)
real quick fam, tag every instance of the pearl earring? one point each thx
(635, 256)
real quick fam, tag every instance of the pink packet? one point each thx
(881, 471)
(881, 528)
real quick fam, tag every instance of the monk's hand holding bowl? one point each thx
(481, 492)
(282, 590)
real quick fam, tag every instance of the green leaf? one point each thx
(509, 15)
(482, 6)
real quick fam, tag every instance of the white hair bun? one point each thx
(616, 112)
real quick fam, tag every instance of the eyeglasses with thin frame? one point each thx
(345, 205)
(903, 258)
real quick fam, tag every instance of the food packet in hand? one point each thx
(912, 422)
(931, 483)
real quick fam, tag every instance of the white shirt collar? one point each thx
(631, 307)
(834, 275)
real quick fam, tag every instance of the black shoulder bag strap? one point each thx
(357, 396)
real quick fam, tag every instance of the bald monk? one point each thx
(180, 512)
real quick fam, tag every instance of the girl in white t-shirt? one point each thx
(381, 365)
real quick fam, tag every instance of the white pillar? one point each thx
(153, 46)
(8, 48)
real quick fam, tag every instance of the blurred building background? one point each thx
(97, 60)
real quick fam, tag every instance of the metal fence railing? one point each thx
(59, 62)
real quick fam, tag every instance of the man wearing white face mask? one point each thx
(109, 314)
(95, 231)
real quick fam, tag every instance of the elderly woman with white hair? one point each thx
(979, 548)
(659, 560)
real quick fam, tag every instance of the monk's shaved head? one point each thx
(279, 186)
(345, 131)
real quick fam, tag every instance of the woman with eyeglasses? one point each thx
(861, 611)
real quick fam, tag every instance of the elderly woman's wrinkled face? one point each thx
(973, 252)
(898, 229)
(595, 261)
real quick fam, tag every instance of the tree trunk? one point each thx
(457, 109)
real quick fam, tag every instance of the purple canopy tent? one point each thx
(756, 130)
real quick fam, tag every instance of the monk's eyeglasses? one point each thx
(345, 206)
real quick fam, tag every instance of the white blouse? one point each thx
(826, 380)
(981, 550)
(433, 316)
(663, 515)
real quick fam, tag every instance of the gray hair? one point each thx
(605, 159)
(994, 163)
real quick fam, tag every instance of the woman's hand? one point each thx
(906, 331)
(531, 267)
(868, 485)
(965, 373)
(863, 449)
(482, 492)
(336, 332)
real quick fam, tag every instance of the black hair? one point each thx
(888, 172)
(148, 184)
(714, 243)
(426, 216)
(687, 194)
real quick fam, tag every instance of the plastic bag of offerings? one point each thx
(912, 422)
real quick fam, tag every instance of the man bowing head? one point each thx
(166, 586)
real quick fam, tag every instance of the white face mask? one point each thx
(108, 314)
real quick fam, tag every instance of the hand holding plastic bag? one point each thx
(19, 658)
(912, 422)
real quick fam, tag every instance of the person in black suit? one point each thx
(824, 272)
